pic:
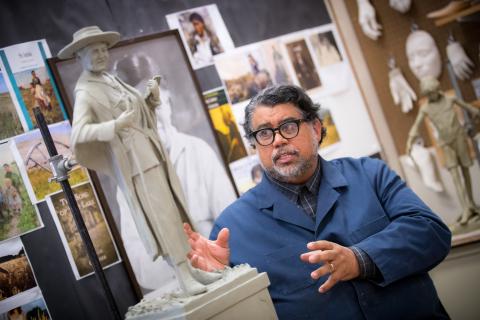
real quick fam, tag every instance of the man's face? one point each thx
(289, 160)
(94, 57)
(423, 56)
(198, 26)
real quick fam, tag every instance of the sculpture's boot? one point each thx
(188, 283)
(204, 277)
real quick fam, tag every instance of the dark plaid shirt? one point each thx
(305, 196)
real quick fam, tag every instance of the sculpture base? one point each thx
(240, 294)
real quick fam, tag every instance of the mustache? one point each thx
(283, 151)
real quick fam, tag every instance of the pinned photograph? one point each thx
(10, 124)
(97, 227)
(34, 158)
(303, 65)
(34, 310)
(332, 136)
(325, 49)
(30, 83)
(250, 69)
(16, 275)
(17, 213)
(247, 173)
(225, 125)
(203, 32)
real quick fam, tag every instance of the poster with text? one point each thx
(10, 123)
(17, 213)
(33, 155)
(29, 81)
(96, 224)
(203, 33)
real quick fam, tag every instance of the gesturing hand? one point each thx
(125, 119)
(337, 260)
(206, 254)
(153, 89)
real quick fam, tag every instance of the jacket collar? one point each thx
(269, 197)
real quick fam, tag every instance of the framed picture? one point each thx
(184, 126)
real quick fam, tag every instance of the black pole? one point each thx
(72, 203)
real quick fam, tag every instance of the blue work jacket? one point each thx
(361, 202)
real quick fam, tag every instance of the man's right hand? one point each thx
(206, 254)
(125, 119)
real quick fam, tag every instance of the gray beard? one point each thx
(287, 173)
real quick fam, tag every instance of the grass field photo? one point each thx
(17, 213)
(34, 155)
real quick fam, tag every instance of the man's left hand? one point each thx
(338, 261)
(153, 89)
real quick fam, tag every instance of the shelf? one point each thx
(465, 12)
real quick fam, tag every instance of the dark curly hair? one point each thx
(278, 94)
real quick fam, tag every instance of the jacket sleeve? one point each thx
(415, 240)
(85, 126)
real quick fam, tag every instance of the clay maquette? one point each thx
(114, 132)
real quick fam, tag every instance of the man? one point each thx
(341, 239)
(114, 132)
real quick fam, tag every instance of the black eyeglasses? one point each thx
(288, 130)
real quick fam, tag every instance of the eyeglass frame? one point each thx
(298, 122)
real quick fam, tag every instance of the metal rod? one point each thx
(82, 229)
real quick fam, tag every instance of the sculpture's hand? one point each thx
(153, 89)
(461, 63)
(206, 254)
(366, 17)
(125, 120)
(401, 91)
(337, 260)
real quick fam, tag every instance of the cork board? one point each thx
(396, 28)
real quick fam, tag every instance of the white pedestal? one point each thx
(240, 294)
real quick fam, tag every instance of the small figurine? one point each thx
(452, 138)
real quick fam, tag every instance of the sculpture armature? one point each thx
(114, 132)
(452, 138)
